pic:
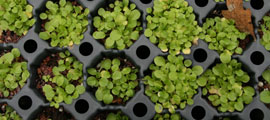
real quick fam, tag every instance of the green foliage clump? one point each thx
(16, 16)
(65, 23)
(9, 114)
(265, 41)
(172, 26)
(64, 89)
(113, 78)
(265, 95)
(13, 73)
(120, 25)
(172, 83)
(221, 34)
(225, 85)
(167, 116)
(117, 116)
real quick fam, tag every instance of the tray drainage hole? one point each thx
(25, 102)
(201, 3)
(200, 55)
(30, 46)
(81, 106)
(146, 1)
(86, 49)
(198, 112)
(143, 52)
(139, 109)
(256, 114)
(257, 4)
(257, 58)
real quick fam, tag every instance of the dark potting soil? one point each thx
(3, 107)
(54, 114)
(15, 91)
(9, 37)
(103, 115)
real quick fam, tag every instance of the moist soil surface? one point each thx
(9, 37)
(3, 107)
(15, 91)
(54, 114)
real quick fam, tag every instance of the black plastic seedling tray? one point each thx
(29, 101)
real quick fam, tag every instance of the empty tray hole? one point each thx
(81, 106)
(25, 102)
(146, 1)
(30, 46)
(201, 3)
(256, 114)
(257, 4)
(200, 55)
(139, 109)
(198, 113)
(257, 58)
(143, 52)
(86, 49)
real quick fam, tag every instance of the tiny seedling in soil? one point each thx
(107, 115)
(63, 23)
(264, 31)
(225, 85)
(171, 25)
(13, 73)
(7, 113)
(118, 25)
(60, 78)
(51, 113)
(15, 20)
(172, 82)
(264, 87)
(114, 81)
(167, 116)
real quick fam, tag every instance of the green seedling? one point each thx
(13, 74)
(265, 94)
(16, 16)
(266, 32)
(172, 26)
(167, 116)
(117, 116)
(225, 85)
(9, 114)
(113, 78)
(222, 35)
(65, 23)
(119, 25)
(172, 82)
(64, 90)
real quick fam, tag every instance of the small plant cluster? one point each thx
(117, 116)
(224, 85)
(13, 72)
(113, 78)
(167, 116)
(221, 34)
(60, 87)
(119, 26)
(172, 26)
(16, 16)
(7, 113)
(172, 83)
(65, 23)
(265, 94)
(265, 41)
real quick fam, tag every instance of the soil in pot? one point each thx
(9, 37)
(7, 113)
(104, 115)
(54, 114)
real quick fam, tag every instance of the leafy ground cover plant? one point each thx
(60, 78)
(114, 80)
(15, 20)
(264, 31)
(51, 113)
(225, 85)
(167, 116)
(118, 25)
(264, 86)
(172, 26)
(111, 115)
(64, 23)
(13, 72)
(172, 82)
(7, 113)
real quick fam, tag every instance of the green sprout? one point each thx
(265, 41)
(172, 26)
(113, 78)
(225, 85)
(167, 116)
(13, 72)
(63, 88)
(265, 94)
(65, 23)
(117, 116)
(222, 35)
(119, 25)
(8, 113)
(172, 83)
(16, 16)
